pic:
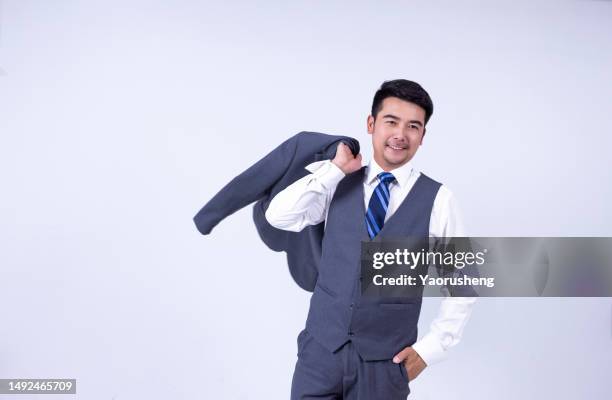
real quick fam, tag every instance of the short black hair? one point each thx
(405, 90)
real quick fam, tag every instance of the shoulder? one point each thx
(429, 185)
(444, 195)
(427, 178)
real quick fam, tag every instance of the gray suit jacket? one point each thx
(261, 182)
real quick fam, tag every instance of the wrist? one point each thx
(339, 166)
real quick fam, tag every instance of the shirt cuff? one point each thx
(430, 349)
(326, 172)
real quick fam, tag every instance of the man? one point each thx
(353, 348)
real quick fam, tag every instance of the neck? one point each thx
(382, 163)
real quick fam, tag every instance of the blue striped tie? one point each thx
(377, 209)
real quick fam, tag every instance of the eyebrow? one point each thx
(414, 121)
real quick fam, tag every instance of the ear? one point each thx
(370, 124)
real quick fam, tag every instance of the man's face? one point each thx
(397, 132)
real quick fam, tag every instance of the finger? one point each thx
(401, 356)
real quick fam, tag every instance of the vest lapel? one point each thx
(359, 194)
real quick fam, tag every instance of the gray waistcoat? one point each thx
(379, 328)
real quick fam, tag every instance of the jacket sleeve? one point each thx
(249, 186)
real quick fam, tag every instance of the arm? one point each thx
(305, 201)
(447, 328)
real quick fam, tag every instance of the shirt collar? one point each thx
(401, 174)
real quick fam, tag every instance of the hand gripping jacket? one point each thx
(261, 182)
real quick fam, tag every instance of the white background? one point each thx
(120, 119)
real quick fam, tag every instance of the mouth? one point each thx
(396, 148)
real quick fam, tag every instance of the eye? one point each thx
(391, 122)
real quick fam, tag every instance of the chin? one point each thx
(397, 162)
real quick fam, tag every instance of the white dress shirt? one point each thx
(306, 202)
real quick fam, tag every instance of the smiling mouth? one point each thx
(396, 147)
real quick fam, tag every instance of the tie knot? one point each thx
(386, 177)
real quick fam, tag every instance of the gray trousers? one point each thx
(321, 374)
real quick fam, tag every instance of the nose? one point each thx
(399, 137)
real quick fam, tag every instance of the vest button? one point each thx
(352, 304)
